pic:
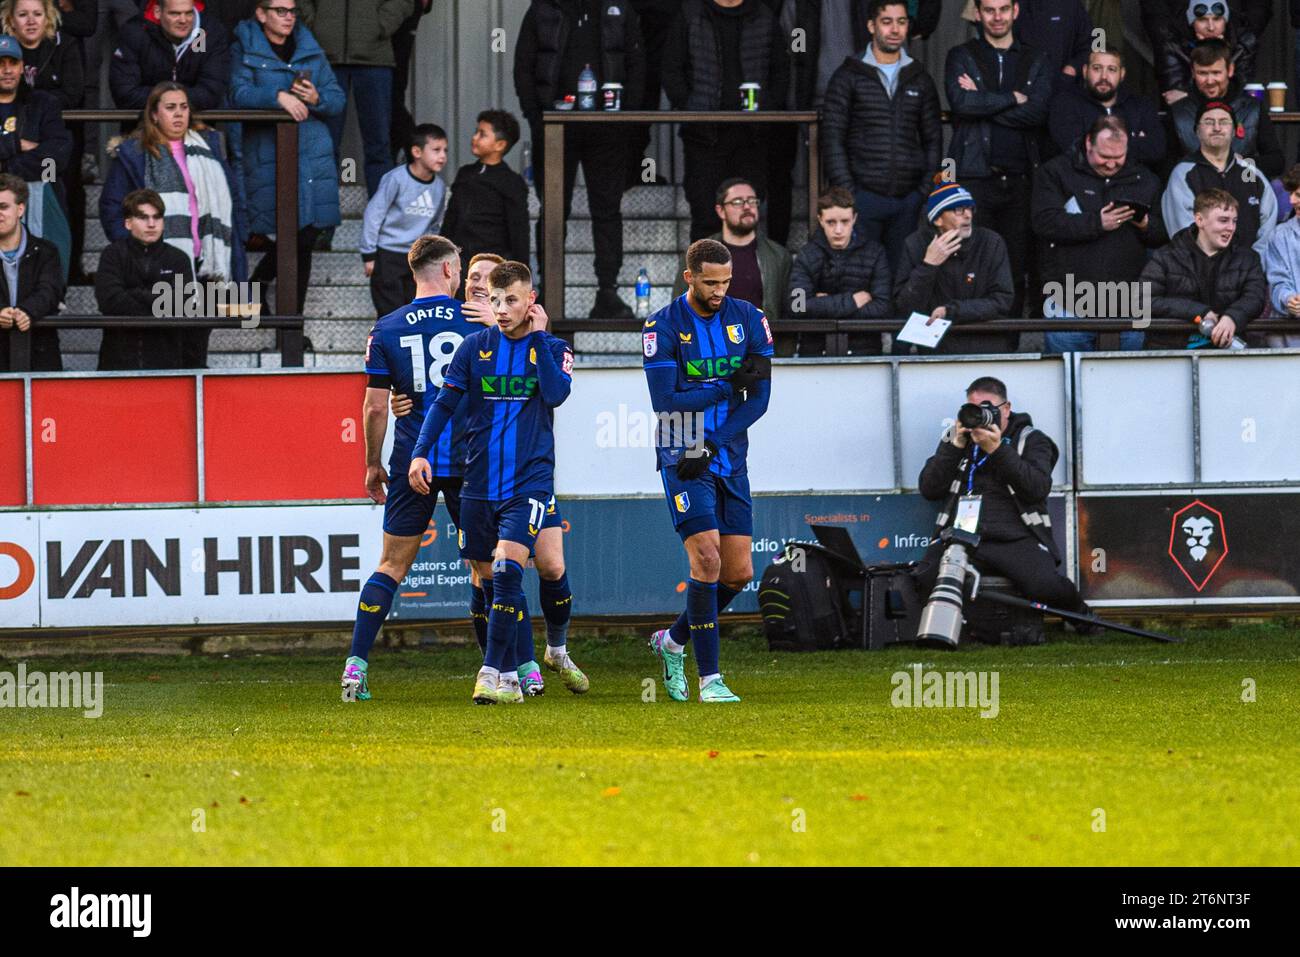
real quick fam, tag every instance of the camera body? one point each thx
(981, 416)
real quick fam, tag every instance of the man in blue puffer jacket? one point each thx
(275, 63)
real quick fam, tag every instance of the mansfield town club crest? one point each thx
(682, 501)
(1198, 542)
(649, 343)
(736, 333)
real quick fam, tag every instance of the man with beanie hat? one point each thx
(1213, 166)
(954, 270)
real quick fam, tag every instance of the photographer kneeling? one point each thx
(1009, 465)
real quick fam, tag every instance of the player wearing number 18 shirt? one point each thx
(509, 379)
(708, 365)
(408, 352)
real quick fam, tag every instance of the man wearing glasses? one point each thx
(760, 268)
(1215, 166)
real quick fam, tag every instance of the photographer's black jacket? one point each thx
(1014, 486)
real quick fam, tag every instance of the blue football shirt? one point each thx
(413, 347)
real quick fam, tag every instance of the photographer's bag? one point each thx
(891, 605)
(997, 624)
(805, 597)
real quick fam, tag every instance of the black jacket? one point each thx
(1174, 55)
(1255, 136)
(861, 267)
(40, 290)
(808, 17)
(488, 212)
(1030, 475)
(886, 145)
(1060, 29)
(1073, 112)
(1178, 290)
(974, 112)
(693, 65)
(124, 286)
(145, 57)
(58, 70)
(1160, 16)
(82, 20)
(40, 120)
(539, 52)
(1075, 243)
(973, 284)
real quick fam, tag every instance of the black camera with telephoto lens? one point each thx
(980, 416)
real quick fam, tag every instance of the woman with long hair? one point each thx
(178, 157)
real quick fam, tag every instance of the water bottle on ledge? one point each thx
(587, 88)
(642, 294)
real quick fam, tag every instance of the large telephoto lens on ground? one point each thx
(941, 619)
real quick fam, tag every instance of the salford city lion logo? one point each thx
(1198, 542)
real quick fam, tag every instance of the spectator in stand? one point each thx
(31, 125)
(409, 204)
(954, 270)
(882, 132)
(78, 18)
(1213, 78)
(124, 286)
(357, 36)
(657, 17)
(840, 274)
(557, 41)
(1282, 264)
(833, 31)
(31, 280)
(760, 268)
(1204, 274)
(1059, 29)
(1161, 16)
(1206, 20)
(715, 46)
(1092, 233)
(402, 126)
(999, 90)
(488, 209)
(1101, 91)
(52, 62)
(1213, 166)
(178, 157)
(182, 47)
(279, 64)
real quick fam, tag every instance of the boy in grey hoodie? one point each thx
(408, 204)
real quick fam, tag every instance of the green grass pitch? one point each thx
(255, 760)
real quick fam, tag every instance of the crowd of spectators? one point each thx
(1058, 171)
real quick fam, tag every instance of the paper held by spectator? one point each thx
(918, 333)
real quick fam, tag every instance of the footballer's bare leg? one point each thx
(557, 607)
(376, 600)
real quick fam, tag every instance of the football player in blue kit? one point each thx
(548, 551)
(509, 379)
(408, 351)
(708, 363)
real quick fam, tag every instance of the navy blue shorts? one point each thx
(517, 519)
(709, 502)
(408, 513)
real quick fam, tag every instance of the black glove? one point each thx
(695, 462)
(754, 369)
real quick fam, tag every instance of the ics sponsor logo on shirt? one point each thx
(508, 387)
(712, 368)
